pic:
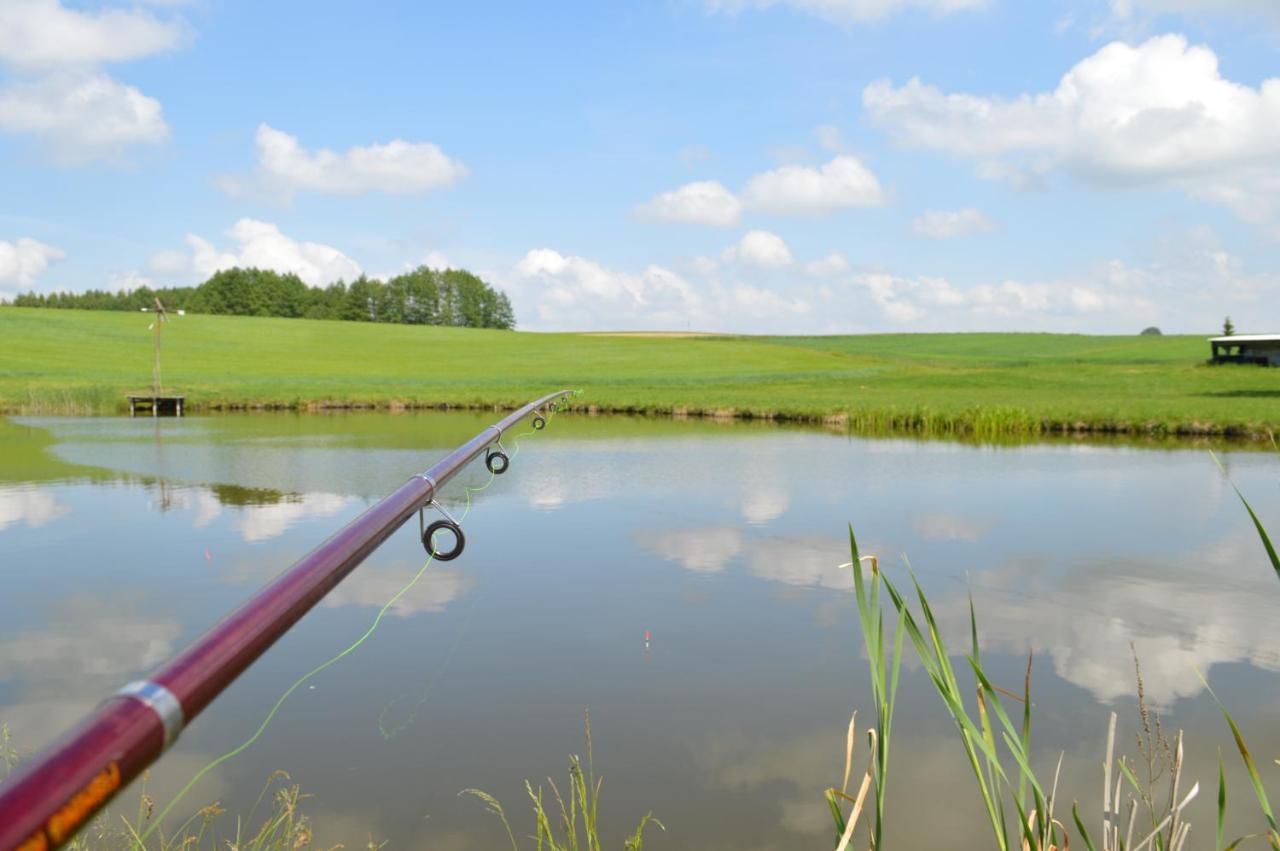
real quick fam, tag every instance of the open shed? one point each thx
(1260, 349)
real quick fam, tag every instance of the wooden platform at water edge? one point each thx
(156, 405)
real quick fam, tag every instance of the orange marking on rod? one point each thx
(35, 842)
(64, 822)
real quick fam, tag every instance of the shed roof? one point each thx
(1247, 338)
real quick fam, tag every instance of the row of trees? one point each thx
(421, 297)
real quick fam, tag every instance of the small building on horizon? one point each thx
(1259, 349)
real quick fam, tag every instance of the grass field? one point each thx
(61, 361)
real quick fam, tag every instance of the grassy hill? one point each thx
(84, 362)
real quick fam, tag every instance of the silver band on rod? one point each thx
(162, 702)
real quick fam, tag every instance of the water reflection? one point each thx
(1181, 617)
(373, 589)
(123, 541)
(33, 507)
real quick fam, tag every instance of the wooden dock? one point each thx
(156, 406)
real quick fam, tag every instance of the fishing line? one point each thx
(443, 667)
(408, 586)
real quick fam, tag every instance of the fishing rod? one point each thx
(47, 800)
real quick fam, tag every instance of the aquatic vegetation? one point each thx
(1016, 801)
(578, 810)
(283, 826)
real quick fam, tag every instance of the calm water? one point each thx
(121, 540)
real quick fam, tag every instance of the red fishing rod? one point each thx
(46, 801)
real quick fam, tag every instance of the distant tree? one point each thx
(1150, 331)
(421, 297)
(1228, 327)
(358, 305)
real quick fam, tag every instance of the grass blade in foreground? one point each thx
(577, 810)
(884, 692)
(1257, 524)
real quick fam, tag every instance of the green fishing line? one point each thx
(408, 586)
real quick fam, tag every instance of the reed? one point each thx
(1016, 801)
(573, 822)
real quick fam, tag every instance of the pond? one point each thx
(678, 579)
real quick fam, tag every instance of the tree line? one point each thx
(421, 297)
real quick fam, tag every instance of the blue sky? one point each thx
(728, 165)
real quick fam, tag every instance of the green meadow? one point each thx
(67, 361)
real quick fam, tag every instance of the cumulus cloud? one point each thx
(908, 299)
(260, 244)
(834, 263)
(398, 167)
(22, 262)
(705, 202)
(38, 35)
(570, 291)
(760, 249)
(758, 286)
(949, 224)
(846, 12)
(75, 111)
(82, 117)
(1159, 112)
(795, 189)
(1130, 10)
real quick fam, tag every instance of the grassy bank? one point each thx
(61, 361)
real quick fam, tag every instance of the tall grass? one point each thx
(884, 671)
(1015, 800)
(572, 823)
(73, 400)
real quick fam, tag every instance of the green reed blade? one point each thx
(1222, 803)
(1084, 834)
(1254, 777)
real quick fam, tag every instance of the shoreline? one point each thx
(922, 421)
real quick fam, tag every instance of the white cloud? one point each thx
(745, 302)
(760, 249)
(130, 279)
(398, 167)
(758, 287)
(82, 117)
(1157, 112)
(906, 300)
(1128, 10)
(22, 262)
(833, 264)
(829, 138)
(262, 245)
(705, 202)
(37, 35)
(846, 12)
(566, 292)
(949, 224)
(794, 189)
